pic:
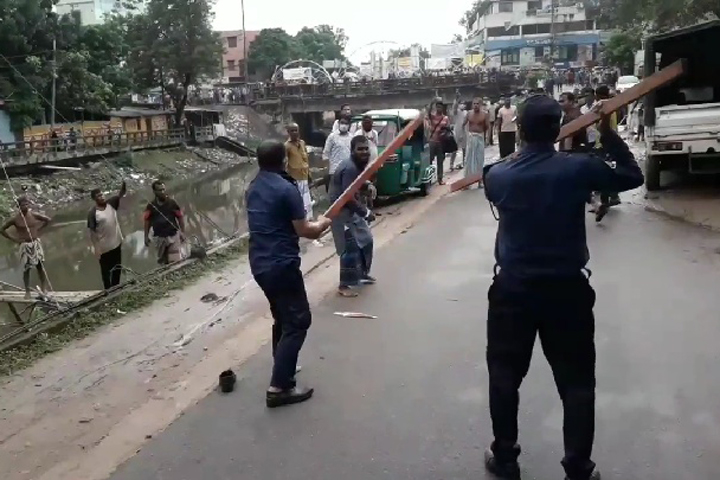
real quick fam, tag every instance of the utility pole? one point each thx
(552, 32)
(245, 53)
(54, 85)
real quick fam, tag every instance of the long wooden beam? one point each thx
(375, 165)
(653, 82)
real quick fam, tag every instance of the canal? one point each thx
(70, 263)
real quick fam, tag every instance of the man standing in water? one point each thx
(541, 283)
(477, 123)
(28, 228)
(105, 235)
(276, 219)
(350, 229)
(166, 219)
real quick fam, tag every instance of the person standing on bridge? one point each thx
(541, 282)
(28, 228)
(105, 235)
(276, 221)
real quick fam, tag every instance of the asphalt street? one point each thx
(404, 396)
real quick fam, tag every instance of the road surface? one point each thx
(405, 396)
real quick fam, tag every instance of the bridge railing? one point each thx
(378, 87)
(53, 149)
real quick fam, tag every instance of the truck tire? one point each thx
(652, 173)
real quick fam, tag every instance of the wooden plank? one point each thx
(374, 166)
(19, 297)
(59, 167)
(653, 82)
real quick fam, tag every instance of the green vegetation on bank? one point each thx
(84, 322)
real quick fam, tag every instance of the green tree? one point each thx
(338, 34)
(620, 49)
(272, 48)
(174, 45)
(318, 44)
(652, 15)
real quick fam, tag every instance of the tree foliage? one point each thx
(174, 46)
(620, 49)
(274, 47)
(653, 15)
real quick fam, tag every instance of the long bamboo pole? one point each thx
(653, 82)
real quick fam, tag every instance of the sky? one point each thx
(401, 21)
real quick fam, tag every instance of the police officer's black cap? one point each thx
(539, 110)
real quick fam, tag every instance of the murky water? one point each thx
(68, 257)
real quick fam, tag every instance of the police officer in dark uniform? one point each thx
(541, 285)
(276, 220)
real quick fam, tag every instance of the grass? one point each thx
(86, 321)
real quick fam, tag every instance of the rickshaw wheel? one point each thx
(424, 189)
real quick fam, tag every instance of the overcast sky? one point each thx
(365, 21)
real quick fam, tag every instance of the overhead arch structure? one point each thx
(317, 71)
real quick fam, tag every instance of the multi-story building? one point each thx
(233, 60)
(527, 33)
(92, 12)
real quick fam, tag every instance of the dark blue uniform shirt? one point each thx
(541, 198)
(273, 201)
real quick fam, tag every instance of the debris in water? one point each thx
(355, 315)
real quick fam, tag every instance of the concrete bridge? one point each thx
(306, 103)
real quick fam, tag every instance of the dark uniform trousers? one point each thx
(560, 311)
(284, 288)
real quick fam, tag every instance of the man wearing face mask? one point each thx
(350, 229)
(337, 148)
(345, 113)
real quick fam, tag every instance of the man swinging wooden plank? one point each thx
(653, 82)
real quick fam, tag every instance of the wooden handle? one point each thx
(374, 166)
(653, 82)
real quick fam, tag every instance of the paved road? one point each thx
(405, 396)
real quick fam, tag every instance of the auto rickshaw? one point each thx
(409, 169)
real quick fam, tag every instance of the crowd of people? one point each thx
(540, 286)
(163, 225)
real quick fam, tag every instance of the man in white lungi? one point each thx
(298, 167)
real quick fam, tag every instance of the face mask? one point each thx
(343, 128)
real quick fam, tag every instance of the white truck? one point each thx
(682, 119)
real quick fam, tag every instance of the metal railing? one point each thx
(390, 85)
(54, 149)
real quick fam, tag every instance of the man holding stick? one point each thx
(350, 229)
(276, 219)
(541, 284)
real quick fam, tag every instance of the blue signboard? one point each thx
(560, 40)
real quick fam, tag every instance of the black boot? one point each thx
(506, 470)
(595, 475)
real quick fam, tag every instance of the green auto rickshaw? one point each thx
(409, 169)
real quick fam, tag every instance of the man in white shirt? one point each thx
(337, 148)
(507, 128)
(346, 113)
(368, 132)
(592, 132)
(106, 238)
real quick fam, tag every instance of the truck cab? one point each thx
(682, 119)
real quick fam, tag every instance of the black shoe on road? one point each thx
(288, 397)
(595, 475)
(601, 211)
(503, 471)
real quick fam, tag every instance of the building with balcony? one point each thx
(528, 33)
(233, 60)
